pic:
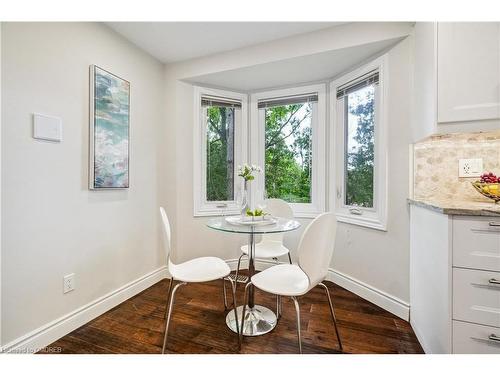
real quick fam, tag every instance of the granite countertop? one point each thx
(456, 207)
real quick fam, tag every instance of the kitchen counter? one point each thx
(455, 207)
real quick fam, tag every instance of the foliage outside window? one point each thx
(360, 147)
(288, 152)
(220, 153)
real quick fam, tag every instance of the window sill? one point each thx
(209, 213)
(212, 209)
(305, 215)
(232, 212)
(366, 222)
(296, 215)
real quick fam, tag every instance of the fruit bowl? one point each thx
(489, 190)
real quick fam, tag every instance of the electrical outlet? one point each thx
(470, 167)
(68, 283)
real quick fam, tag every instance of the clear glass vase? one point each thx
(243, 200)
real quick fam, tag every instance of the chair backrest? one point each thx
(279, 208)
(166, 234)
(316, 247)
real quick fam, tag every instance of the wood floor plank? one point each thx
(198, 325)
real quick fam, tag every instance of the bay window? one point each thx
(287, 138)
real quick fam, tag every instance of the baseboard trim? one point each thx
(376, 296)
(43, 336)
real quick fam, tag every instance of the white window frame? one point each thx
(202, 207)
(375, 217)
(318, 124)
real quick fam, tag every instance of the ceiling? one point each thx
(176, 41)
(303, 69)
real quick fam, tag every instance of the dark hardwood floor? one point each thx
(198, 325)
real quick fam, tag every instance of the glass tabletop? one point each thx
(281, 225)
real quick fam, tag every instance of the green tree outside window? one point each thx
(288, 152)
(360, 144)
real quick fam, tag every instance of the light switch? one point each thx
(48, 128)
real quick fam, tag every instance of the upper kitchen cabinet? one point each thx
(468, 71)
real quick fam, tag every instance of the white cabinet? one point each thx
(476, 296)
(455, 282)
(469, 338)
(476, 243)
(468, 71)
(431, 279)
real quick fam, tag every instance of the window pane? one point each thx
(360, 125)
(288, 151)
(220, 153)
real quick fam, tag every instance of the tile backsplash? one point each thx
(436, 164)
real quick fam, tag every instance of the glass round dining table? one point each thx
(258, 319)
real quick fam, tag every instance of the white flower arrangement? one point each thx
(246, 171)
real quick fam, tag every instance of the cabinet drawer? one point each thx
(476, 242)
(471, 338)
(476, 296)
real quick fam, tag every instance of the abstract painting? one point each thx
(109, 130)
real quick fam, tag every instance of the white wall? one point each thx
(52, 224)
(381, 259)
(378, 260)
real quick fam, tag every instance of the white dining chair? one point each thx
(294, 280)
(197, 270)
(271, 246)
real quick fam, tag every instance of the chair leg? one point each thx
(297, 310)
(170, 308)
(289, 258)
(279, 306)
(277, 295)
(235, 279)
(224, 293)
(245, 302)
(238, 268)
(233, 288)
(333, 314)
(168, 297)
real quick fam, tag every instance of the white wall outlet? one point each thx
(470, 167)
(68, 283)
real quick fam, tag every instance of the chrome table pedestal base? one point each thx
(257, 321)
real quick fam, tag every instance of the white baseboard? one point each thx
(376, 296)
(45, 335)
